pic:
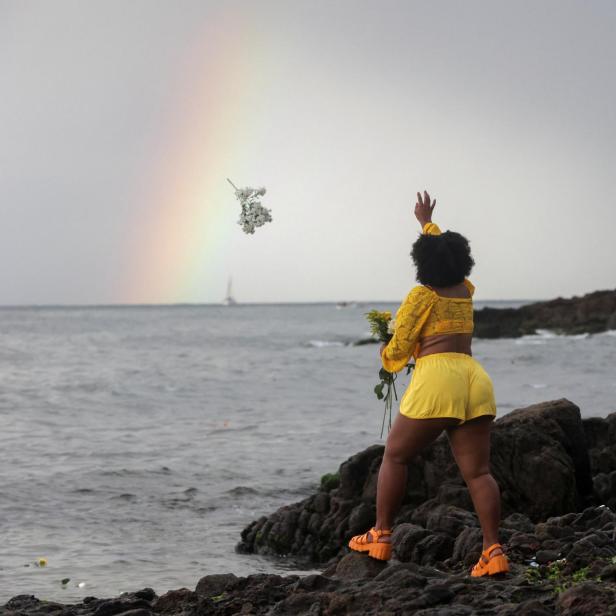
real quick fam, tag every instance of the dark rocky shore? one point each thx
(592, 313)
(557, 475)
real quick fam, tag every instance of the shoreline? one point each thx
(557, 474)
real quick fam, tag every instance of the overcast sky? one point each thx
(120, 120)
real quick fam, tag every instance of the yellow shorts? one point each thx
(448, 385)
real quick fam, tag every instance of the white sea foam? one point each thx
(545, 333)
(542, 336)
(529, 340)
(325, 343)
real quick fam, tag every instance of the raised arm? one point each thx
(423, 213)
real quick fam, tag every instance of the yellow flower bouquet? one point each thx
(382, 327)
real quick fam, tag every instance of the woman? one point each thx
(449, 390)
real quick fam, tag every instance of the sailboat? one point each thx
(229, 300)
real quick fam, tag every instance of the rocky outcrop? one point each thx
(539, 458)
(591, 313)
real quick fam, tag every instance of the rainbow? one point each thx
(187, 210)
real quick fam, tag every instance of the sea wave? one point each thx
(317, 343)
(326, 343)
(541, 336)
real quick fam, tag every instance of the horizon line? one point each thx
(348, 303)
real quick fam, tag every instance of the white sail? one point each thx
(229, 299)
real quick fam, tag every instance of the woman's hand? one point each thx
(423, 209)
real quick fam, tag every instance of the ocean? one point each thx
(137, 442)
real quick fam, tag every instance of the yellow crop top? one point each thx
(425, 313)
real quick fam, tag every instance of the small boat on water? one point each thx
(229, 299)
(341, 305)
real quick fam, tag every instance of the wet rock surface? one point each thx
(591, 313)
(359, 585)
(558, 530)
(540, 459)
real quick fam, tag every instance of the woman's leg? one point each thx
(470, 445)
(406, 439)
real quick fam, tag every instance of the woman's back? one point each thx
(449, 326)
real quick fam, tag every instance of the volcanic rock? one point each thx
(549, 437)
(591, 313)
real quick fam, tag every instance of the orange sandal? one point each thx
(491, 565)
(379, 550)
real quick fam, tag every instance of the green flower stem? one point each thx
(389, 400)
(383, 423)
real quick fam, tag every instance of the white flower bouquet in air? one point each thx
(253, 214)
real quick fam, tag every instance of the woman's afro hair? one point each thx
(442, 260)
